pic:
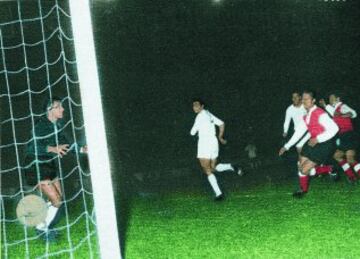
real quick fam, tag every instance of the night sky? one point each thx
(242, 57)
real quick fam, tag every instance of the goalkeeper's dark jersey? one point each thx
(46, 134)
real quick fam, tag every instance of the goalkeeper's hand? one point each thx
(61, 150)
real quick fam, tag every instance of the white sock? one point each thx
(214, 184)
(301, 174)
(312, 172)
(42, 226)
(224, 167)
(50, 215)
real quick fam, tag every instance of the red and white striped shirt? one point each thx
(344, 123)
(318, 124)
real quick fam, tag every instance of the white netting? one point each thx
(37, 61)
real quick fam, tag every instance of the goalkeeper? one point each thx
(48, 144)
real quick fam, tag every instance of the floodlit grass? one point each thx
(75, 238)
(256, 220)
(259, 222)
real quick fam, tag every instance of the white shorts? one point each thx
(208, 148)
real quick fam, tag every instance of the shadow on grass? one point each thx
(123, 209)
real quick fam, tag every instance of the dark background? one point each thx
(244, 58)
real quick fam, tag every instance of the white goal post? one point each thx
(108, 237)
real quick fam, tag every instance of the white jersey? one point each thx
(294, 113)
(204, 125)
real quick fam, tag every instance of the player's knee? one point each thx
(338, 156)
(305, 168)
(301, 165)
(350, 160)
(54, 197)
(208, 172)
(56, 202)
(44, 185)
(205, 167)
(305, 171)
(350, 156)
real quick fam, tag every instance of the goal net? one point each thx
(38, 61)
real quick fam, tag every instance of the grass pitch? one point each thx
(77, 238)
(256, 222)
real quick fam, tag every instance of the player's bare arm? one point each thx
(221, 134)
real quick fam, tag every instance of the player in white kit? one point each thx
(208, 145)
(295, 113)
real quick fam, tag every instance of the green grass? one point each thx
(259, 222)
(81, 243)
(255, 221)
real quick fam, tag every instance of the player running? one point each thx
(346, 141)
(320, 145)
(295, 113)
(208, 145)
